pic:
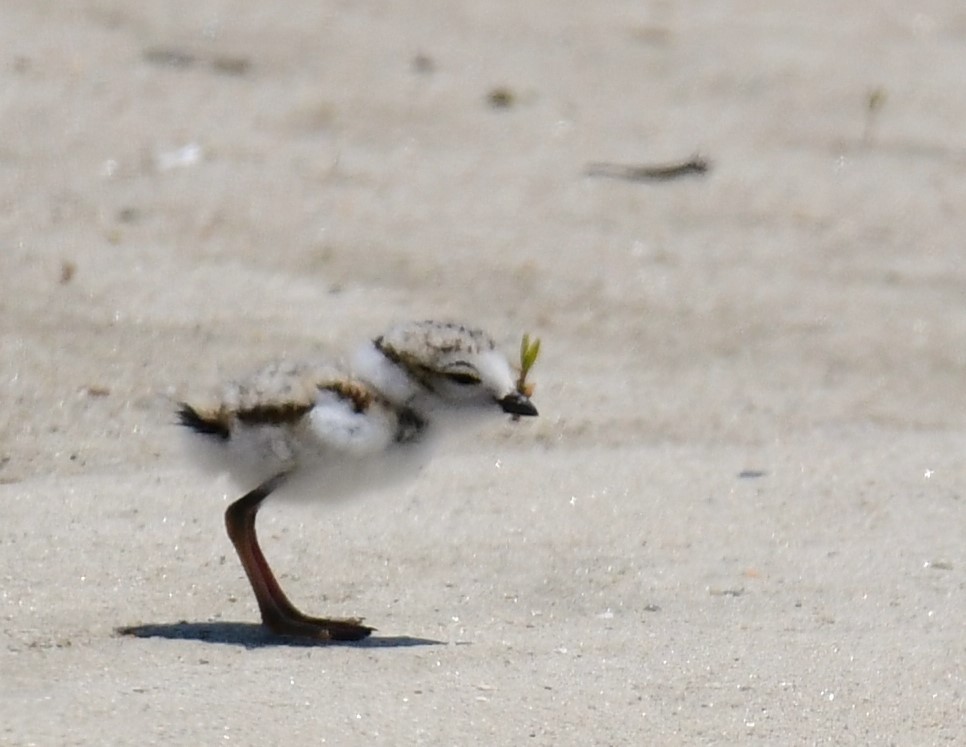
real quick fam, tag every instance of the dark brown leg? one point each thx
(278, 613)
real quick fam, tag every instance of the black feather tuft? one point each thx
(208, 426)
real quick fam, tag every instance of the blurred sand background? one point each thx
(740, 517)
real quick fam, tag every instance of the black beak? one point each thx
(517, 404)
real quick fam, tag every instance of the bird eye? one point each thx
(462, 378)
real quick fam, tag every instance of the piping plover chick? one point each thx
(338, 430)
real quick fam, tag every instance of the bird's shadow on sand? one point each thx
(253, 635)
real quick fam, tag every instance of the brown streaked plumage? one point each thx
(275, 413)
(356, 392)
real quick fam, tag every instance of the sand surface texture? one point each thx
(740, 517)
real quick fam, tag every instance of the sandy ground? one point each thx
(740, 517)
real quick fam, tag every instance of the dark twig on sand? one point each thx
(641, 173)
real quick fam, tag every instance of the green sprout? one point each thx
(529, 350)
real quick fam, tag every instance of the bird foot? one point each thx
(320, 628)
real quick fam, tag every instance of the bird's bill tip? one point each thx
(518, 404)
